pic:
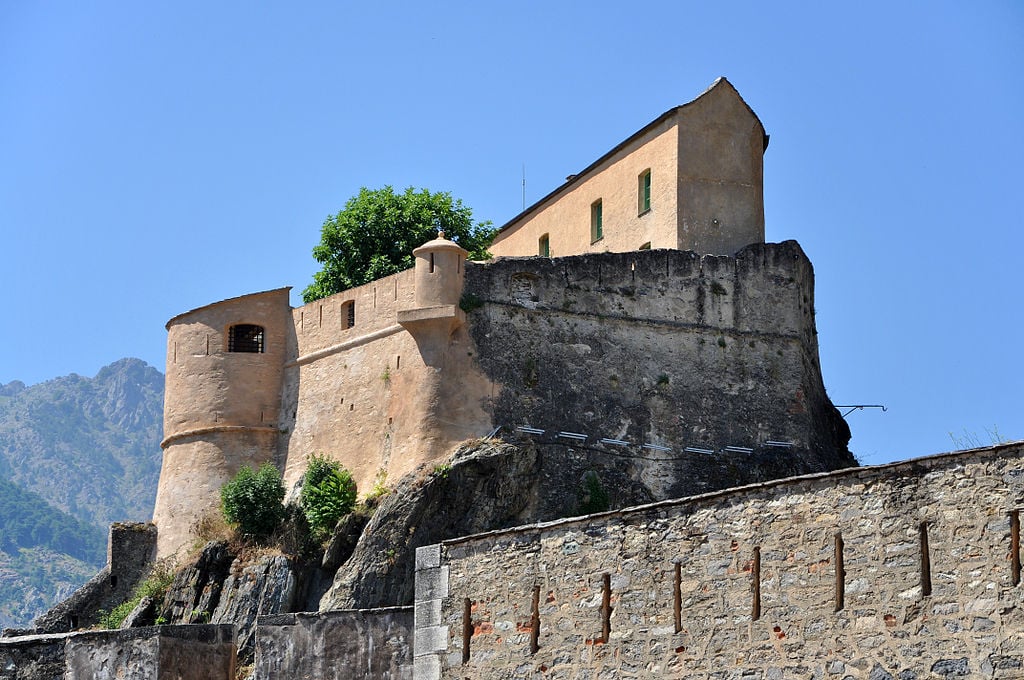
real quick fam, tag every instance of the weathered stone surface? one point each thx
(662, 347)
(201, 652)
(260, 589)
(336, 645)
(756, 586)
(484, 486)
(32, 657)
(343, 540)
(196, 589)
(144, 614)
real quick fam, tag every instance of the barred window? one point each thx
(245, 337)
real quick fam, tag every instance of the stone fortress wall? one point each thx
(662, 347)
(908, 570)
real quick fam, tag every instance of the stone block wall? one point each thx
(909, 570)
(336, 645)
(201, 652)
(667, 348)
(32, 657)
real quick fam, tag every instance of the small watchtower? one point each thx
(440, 270)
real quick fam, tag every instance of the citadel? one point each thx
(634, 334)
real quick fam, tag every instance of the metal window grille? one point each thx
(348, 313)
(246, 338)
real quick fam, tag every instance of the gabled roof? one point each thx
(572, 180)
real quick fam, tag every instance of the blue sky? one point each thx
(160, 156)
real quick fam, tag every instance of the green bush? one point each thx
(328, 494)
(252, 501)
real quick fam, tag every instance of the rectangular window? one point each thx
(544, 246)
(643, 192)
(596, 222)
(348, 315)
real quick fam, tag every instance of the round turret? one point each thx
(439, 272)
(225, 365)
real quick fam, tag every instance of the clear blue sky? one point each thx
(159, 156)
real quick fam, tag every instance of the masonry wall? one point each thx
(199, 652)
(221, 407)
(656, 348)
(368, 396)
(706, 162)
(721, 173)
(909, 570)
(131, 549)
(336, 645)
(664, 348)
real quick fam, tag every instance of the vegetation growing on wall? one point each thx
(154, 586)
(376, 232)
(328, 494)
(252, 501)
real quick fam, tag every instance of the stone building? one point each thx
(691, 179)
(694, 338)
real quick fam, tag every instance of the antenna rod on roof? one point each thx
(524, 186)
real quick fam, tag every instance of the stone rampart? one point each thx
(374, 396)
(909, 570)
(198, 652)
(667, 348)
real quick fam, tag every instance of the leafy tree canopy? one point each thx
(376, 232)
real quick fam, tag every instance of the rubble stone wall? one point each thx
(909, 570)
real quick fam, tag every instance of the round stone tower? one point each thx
(225, 364)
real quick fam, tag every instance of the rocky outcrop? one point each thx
(267, 587)
(484, 485)
(221, 587)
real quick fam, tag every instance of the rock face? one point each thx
(221, 588)
(483, 486)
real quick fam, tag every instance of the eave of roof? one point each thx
(578, 177)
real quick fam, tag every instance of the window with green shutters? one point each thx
(643, 202)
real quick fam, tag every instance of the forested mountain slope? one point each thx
(76, 454)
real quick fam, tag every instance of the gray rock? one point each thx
(195, 591)
(263, 588)
(143, 614)
(484, 486)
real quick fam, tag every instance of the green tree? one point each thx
(328, 494)
(253, 500)
(374, 236)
